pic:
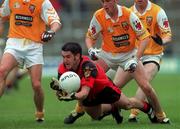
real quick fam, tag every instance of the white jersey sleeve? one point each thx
(48, 13)
(136, 24)
(162, 21)
(5, 10)
(94, 28)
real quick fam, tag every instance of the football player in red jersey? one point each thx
(97, 94)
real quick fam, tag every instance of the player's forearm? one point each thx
(142, 47)
(81, 95)
(89, 42)
(55, 26)
(167, 39)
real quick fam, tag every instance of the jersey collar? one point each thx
(149, 5)
(119, 12)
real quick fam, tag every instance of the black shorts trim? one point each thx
(147, 62)
(106, 96)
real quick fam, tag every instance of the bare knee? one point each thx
(128, 105)
(36, 86)
(3, 73)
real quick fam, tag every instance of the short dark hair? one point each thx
(73, 47)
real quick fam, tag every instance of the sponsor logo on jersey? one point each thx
(23, 20)
(23, 17)
(121, 40)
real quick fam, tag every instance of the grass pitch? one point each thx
(17, 108)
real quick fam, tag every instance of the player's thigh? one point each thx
(140, 75)
(121, 78)
(123, 102)
(151, 70)
(8, 62)
(11, 76)
(93, 111)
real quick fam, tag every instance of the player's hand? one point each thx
(68, 97)
(157, 39)
(60, 93)
(47, 35)
(54, 84)
(93, 52)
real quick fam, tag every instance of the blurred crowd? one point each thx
(66, 5)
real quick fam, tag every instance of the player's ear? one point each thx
(78, 56)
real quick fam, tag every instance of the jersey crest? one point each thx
(89, 69)
(149, 20)
(125, 25)
(32, 8)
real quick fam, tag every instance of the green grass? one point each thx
(17, 108)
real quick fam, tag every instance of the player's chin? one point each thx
(107, 10)
(68, 67)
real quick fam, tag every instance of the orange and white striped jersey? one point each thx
(155, 21)
(120, 35)
(28, 18)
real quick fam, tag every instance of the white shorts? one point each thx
(152, 58)
(26, 52)
(115, 60)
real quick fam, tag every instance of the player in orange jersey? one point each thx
(155, 20)
(24, 46)
(120, 28)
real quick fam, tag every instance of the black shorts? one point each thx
(106, 96)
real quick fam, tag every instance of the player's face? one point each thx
(141, 2)
(70, 61)
(109, 5)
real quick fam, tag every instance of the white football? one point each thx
(69, 82)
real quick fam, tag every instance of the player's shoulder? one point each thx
(156, 7)
(100, 12)
(125, 10)
(87, 63)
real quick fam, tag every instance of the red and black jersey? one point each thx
(92, 75)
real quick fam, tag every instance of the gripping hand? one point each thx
(47, 35)
(157, 39)
(54, 84)
(93, 52)
(68, 97)
(60, 93)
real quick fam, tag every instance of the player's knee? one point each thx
(2, 73)
(36, 86)
(128, 105)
